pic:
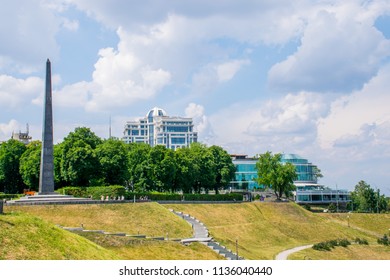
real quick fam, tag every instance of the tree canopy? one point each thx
(10, 179)
(366, 199)
(30, 162)
(274, 174)
(83, 159)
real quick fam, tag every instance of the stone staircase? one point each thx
(201, 234)
(223, 251)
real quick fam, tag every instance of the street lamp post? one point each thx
(236, 248)
(337, 199)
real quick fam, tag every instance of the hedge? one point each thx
(110, 191)
(185, 197)
(75, 191)
(153, 196)
(93, 192)
(119, 191)
(9, 196)
(214, 197)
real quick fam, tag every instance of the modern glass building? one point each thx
(157, 128)
(246, 173)
(306, 171)
(308, 191)
(318, 194)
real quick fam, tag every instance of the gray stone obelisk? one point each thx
(46, 176)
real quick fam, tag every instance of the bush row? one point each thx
(384, 240)
(94, 192)
(330, 244)
(214, 197)
(9, 196)
(119, 191)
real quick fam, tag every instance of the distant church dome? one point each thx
(156, 112)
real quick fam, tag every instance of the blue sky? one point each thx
(304, 77)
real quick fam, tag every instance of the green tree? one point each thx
(79, 163)
(80, 166)
(10, 179)
(84, 134)
(317, 173)
(274, 174)
(187, 171)
(364, 198)
(204, 167)
(30, 162)
(224, 168)
(163, 168)
(112, 156)
(138, 167)
(59, 180)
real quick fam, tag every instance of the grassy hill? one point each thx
(142, 218)
(262, 229)
(24, 237)
(352, 252)
(265, 229)
(150, 219)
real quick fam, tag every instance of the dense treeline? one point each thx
(365, 199)
(84, 159)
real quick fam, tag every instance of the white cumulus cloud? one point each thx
(340, 50)
(15, 92)
(362, 116)
(201, 122)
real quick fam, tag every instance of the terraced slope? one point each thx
(24, 237)
(265, 229)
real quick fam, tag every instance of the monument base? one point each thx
(49, 198)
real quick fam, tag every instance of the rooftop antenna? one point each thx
(109, 130)
(27, 128)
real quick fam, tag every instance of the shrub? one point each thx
(384, 240)
(154, 196)
(322, 246)
(94, 192)
(332, 208)
(344, 242)
(186, 197)
(75, 191)
(9, 196)
(330, 244)
(215, 197)
(110, 191)
(307, 207)
(333, 243)
(361, 241)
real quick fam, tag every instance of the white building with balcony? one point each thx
(157, 128)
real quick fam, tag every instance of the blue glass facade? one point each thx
(246, 173)
(308, 190)
(306, 171)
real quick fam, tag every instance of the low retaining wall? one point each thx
(119, 201)
(196, 202)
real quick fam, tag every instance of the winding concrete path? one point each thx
(284, 255)
(201, 234)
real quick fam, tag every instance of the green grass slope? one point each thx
(141, 249)
(262, 230)
(24, 237)
(265, 229)
(353, 252)
(150, 219)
